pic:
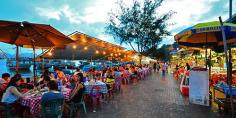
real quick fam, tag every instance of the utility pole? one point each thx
(230, 9)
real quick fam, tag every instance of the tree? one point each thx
(139, 25)
(162, 53)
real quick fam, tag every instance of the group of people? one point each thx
(163, 66)
(11, 93)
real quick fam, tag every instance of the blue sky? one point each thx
(90, 16)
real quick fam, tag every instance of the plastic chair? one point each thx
(5, 108)
(52, 109)
(74, 106)
(118, 83)
(126, 77)
(95, 93)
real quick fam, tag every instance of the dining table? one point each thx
(90, 84)
(33, 101)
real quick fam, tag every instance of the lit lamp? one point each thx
(74, 46)
(116, 55)
(104, 52)
(49, 53)
(119, 54)
(86, 48)
(97, 51)
(111, 54)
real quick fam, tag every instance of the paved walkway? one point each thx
(155, 97)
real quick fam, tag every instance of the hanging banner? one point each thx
(199, 86)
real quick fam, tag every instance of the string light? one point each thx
(50, 53)
(74, 46)
(97, 51)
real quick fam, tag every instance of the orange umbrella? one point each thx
(31, 35)
(38, 35)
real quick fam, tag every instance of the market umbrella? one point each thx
(31, 35)
(208, 34)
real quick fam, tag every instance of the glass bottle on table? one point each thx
(59, 83)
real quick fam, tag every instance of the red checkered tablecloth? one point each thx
(34, 102)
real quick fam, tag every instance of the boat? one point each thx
(24, 63)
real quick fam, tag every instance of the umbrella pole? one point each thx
(228, 65)
(34, 67)
(17, 59)
(42, 62)
(206, 51)
(206, 57)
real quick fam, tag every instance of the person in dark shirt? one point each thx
(53, 93)
(77, 92)
(44, 82)
(154, 67)
(187, 66)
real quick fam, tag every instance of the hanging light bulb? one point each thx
(97, 51)
(49, 53)
(86, 48)
(74, 46)
(104, 52)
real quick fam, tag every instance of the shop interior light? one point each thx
(104, 52)
(86, 48)
(97, 51)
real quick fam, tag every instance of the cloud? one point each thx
(61, 12)
(72, 16)
(94, 13)
(49, 13)
(187, 12)
(87, 17)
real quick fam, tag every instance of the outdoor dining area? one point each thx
(54, 94)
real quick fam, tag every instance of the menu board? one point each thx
(199, 86)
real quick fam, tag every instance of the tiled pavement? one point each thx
(155, 97)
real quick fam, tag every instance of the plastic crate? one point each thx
(185, 90)
(226, 90)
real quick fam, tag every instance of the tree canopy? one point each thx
(139, 25)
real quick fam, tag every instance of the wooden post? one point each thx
(17, 59)
(34, 67)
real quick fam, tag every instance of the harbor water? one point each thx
(5, 69)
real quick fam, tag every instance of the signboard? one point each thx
(199, 86)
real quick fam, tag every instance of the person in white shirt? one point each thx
(164, 68)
